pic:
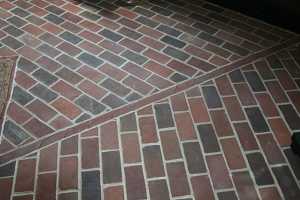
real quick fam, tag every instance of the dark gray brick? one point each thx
(115, 87)
(133, 97)
(194, 157)
(90, 60)
(117, 60)
(294, 161)
(43, 93)
(236, 76)
(212, 97)
(205, 27)
(90, 104)
(227, 195)
(236, 49)
(20, 12)
(257, 120)
(130, 33)
(14, 133)
(54, 19)
(12, 42)
(48, 50)
(111, 167)
(287, 184)
(147, 22)
(260, 169)
(291, 116)
(26, 65)
(91, 188)
(17, 21)
(176, 53)
(82, 117)
(21, 96)
(178, 78)
(200, 18)
(164, 116)
(162, 11)
(168, 30)
(208, 138)
(111, 35)
(143, 11)
(55, 10)
(209, 38)
(134, 57)
(113, 101)
(8, 169)
(68, 61)
(44, 76)
(69, 76)
(13, 31)
(90, 16)
(172, 41)
(70, 37)
(255, 82)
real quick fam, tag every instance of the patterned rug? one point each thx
(7, 68)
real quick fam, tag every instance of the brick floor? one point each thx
(94, 112)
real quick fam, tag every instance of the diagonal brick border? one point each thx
(43, 142)
(3, 110)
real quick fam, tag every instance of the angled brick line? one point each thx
(43, 142)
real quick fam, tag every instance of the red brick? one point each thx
(170, 145)
(182, 68)
(136, 70)
(126, 13)
(114, 193)
(90, 133)
(158, 69)
(159, 82)
(131, 44)
(131, 148)
(198, 52)
(60, 122)
(48, 159)
(29, 53)
(25, 175)
(193, 92)
(72, 7)
(233, 154)
(5, 188)
(38, 11)
(185, 126)
(245, 94)
(48, 64)
(46, 187)
(108, 23)
(17, 113)
(66, 90)
(24, 80)
(178, 179)
(68, 173)
(277, 92)
(269, 193)
(135, 183)
(90, 26)
(145, 111)
(91, 47)
(281, 132)
(69, 48)
(91, 36)
(148, 129)
(157, 56)
(37, 128)
(267, 104)
(152, 43)
(92, 89)
(233, 108)
(138, 85)
(150, 32)
(91, 74)
(218, 172)
(221, 122)
(246, 136)
(244, 185)
(52, 28)
(109, 136)
(179, 102)
(41, 110)
(90, 153)
(285, 80)
(199, 110)
(66, 107)
(113, 72)
(34, 30)
(69, 146)
(202, 188)
(224, 86)
(112, 46)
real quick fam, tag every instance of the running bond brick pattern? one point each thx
(225, 139)
(78, 60)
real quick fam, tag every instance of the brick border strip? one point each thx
(76, 129)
